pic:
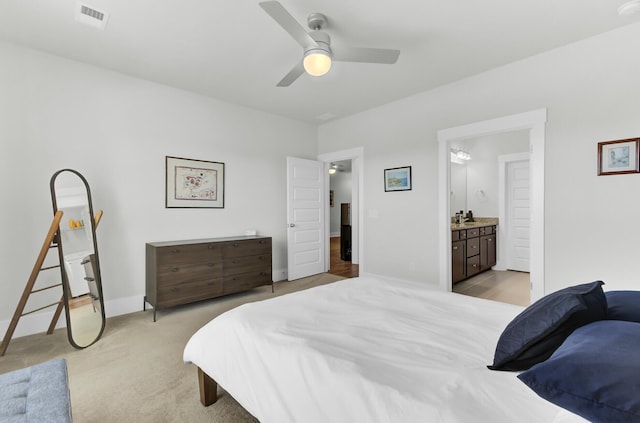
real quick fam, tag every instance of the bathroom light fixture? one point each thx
(461, 154)
(629, 8)
(333, 168)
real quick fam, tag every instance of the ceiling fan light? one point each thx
(316, 62)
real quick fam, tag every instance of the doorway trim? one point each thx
(535, 122)
(356, 155)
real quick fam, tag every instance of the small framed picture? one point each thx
(194, 183)
(619, 157)
(397, 179)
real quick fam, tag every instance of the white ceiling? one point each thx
(233, 51)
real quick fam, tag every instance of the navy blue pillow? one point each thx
(594, 373)
(541, 328)
(623, 305)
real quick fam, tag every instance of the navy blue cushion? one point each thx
(541, 328)
(594, 373)
(623, 305)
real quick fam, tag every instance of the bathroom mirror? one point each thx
(78, 252)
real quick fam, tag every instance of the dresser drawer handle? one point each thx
(175, 269)
(176, 251)
(455, 248)
(175, 289)
(211, 283)
(235, 261)
(235, 245)
(210, 264)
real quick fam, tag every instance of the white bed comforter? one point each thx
(367, 350)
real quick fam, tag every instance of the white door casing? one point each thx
(535, 122)
(356, 155)
(305, 218)
(518, 216)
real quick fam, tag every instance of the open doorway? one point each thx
(491, 180)
(354, 182)
(534, 122)
(340, 219)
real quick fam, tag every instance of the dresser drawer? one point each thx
(245, 281)
(235, 265)
(247, 248)
(473, 232)
(188, 292)
(167, 256)
(473, 247)
(181, 273)
(473, 265)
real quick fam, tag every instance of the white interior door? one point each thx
(305, 217)
(518, 215)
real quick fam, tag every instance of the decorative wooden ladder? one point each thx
(50, 241)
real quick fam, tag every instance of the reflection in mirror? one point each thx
(77, 247)
(458, 187)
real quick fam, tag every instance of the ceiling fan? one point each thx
(317, 50)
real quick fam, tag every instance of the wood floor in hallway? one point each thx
(338, 266)
(504, 286)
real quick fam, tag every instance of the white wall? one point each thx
(592, 94)
(116, 131)
(482, 169)
(340, 183)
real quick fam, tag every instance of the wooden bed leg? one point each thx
(208, 388)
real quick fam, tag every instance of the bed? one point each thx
(366, 350)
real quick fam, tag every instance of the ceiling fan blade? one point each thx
(288, 23)
(365, 55)
(292, 75)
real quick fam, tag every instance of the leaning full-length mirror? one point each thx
(78, 250)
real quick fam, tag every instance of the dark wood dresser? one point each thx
(182, 272)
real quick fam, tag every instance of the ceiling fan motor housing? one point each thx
(323, 43)
(316, 21)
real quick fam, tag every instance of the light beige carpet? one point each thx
(135, 371)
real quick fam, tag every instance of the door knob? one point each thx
(292, 225)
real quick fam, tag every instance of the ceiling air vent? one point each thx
(91, 16)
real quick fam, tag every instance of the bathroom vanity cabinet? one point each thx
(473, 250)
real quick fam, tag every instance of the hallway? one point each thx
(338, 266)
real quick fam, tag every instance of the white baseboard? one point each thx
(279, 275)
(393, 279)
(39, 322)
(32, 323)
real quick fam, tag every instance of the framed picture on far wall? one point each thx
(397, 179)
(194, 183)
(619, 157)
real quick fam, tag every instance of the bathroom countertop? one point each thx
(478, 222)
